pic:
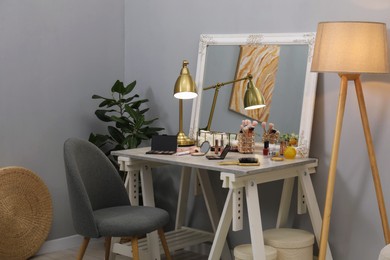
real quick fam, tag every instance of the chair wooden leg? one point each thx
(164, 244)
(107, 246)
(134, 246)
(83, 247)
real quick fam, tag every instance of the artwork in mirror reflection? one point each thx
(260, 61)
(282, 84)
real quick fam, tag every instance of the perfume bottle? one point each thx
(266, 148)
(282, 147)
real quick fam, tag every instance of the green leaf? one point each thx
(127, 100)
(108, 102)
(137, 104)
(98, 97)
(144, 111)
(125, 128)
(98, 139)
(120, 120)
(116, 103)
(150, 121)
(132, 112)
(139, 122)
(101, 114)
(118, 87)
(116, 134)
(131, 142)
(121, 101)
(142, 136)
(92, 138)
(129, 87)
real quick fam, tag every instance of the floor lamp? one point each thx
(350, 49)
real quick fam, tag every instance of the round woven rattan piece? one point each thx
(25, 213)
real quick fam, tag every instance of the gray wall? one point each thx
(159, 35)
(54, 55)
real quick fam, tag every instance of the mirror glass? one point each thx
(205, 147)
(293, 94)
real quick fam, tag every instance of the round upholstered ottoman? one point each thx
(291, 244)
(385, 253)
(244, 252)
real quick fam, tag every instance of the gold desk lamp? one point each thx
(350, 49)
(185, 88)
(252, 99)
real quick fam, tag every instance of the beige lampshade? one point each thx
(351, 47)
(185, 87)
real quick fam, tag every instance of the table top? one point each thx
(201, 162)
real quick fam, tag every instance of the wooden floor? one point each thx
(96, 251)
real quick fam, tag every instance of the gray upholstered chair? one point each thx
(99, 202)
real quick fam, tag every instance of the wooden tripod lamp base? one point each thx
(351, 48)
(333, 162)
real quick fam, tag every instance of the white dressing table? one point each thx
(300, 88)
(241, 181)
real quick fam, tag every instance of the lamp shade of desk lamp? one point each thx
(185, 88)
(350, 49)
(253, 99)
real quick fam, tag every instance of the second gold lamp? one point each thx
(253, 98)
(185, 88)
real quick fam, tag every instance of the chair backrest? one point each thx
(93, 183)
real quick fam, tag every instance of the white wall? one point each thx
(54, 55)
(160, 34)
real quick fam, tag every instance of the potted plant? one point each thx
(128, 126)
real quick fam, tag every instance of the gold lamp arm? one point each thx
(212, 108)
(217, 87)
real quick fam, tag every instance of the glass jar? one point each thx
(246, 142)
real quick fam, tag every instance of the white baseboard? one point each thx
(62, 244)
